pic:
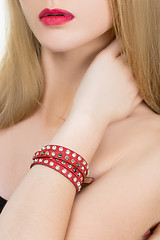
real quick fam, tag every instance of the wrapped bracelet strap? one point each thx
(73, 167)
(64, 154)
(52, 163)
(68, 163)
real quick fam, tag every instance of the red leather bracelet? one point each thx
(66, 165)
(64, 154)
(75, 167)
(64, 171)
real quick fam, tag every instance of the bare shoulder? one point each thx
(124, 202)
(8, 172)
(134, 136)
(17, 145)
(143, 131)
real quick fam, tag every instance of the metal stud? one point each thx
(77, 164)
(78, 183)
(69, 165)
(37, 153)
(51, 163)
(40, 160)
(43, 148)
(53, 154)
(74, 179)
(72, 161)
(46, 161)
(64, 170)
(59, 155)
(79, 158)
(78, 174)
(47, 153)
(73, 154)
(54, 147)
(67, 152)
(48, 147)
(75, 169)
(84, 163)
(82, 168)
(57, 167)
(41, 153)
(66, 157)
(61, 149)
(69, 175)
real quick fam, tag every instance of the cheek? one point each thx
(93, 18)
(24, 5)
(96, 23)
(29, 9)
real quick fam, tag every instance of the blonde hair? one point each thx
(22, 86)
(21, 77)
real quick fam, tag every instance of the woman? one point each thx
(71, 84)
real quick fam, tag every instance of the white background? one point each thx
(2, 27)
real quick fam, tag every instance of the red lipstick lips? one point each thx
(55, 16)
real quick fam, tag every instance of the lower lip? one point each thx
(55, 20)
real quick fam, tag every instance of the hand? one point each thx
(108, 90)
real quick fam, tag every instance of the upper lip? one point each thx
(48, 11)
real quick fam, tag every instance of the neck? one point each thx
(63, 72)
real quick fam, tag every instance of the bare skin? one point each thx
(121, 139)
(61, 86)
(124, 133)
(70, 47)
(37, 136)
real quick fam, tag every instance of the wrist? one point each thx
(81, 133)
(95, 119)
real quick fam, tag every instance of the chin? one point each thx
(58, 48)
(61, 45)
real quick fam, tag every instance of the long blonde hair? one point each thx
(136, 24)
